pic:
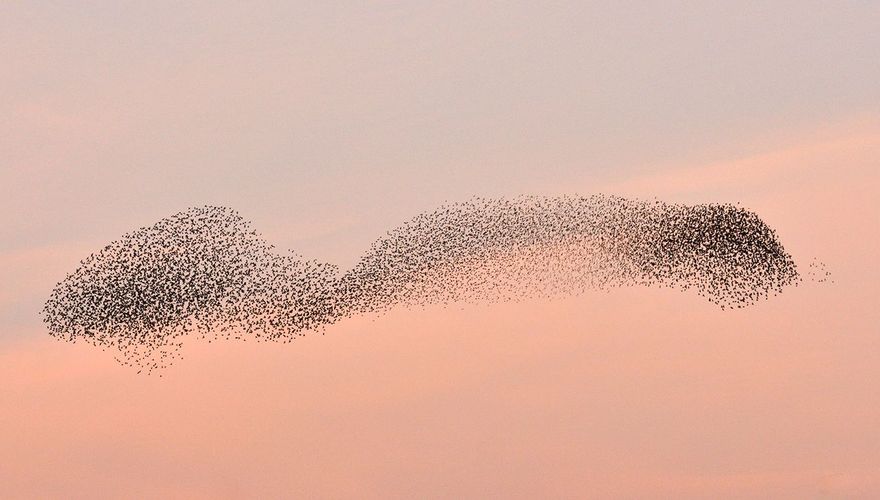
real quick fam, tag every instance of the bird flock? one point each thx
(206, 273)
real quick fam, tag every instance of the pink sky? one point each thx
(632, 393)
(329, 124)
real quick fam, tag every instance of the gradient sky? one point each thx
(327, 124)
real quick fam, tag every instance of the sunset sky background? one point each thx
(328, 123)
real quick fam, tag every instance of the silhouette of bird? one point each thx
(205, 272)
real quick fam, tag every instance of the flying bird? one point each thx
(205, 272)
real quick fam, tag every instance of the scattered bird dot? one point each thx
(205, 273)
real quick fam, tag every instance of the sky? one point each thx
(327, 124)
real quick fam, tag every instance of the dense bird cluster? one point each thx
(205, 272)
